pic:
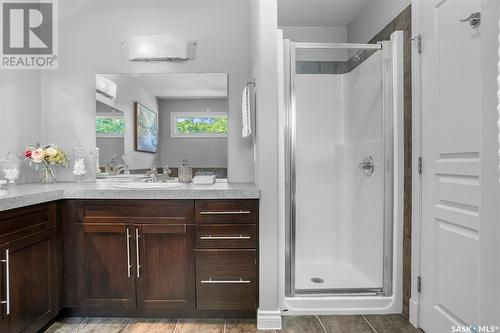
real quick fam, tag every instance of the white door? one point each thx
(451, 106)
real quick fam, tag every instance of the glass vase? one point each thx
(48, 175)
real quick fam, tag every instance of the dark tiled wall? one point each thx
(403, 23)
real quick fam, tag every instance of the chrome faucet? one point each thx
(113, 168)
(152, 173)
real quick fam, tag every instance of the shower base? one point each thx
(335, 275)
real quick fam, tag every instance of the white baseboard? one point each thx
(268, 320)
(413, 313)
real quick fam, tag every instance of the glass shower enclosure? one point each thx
(339, 161)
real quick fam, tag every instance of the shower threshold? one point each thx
(339, 292)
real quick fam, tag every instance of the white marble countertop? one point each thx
(31, 194)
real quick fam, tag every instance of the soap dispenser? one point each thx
(185, 172)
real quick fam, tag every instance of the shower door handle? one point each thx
(367, 166)
(474, 20)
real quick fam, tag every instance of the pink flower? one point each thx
(37, 155)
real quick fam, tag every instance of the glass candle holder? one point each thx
(10, 167)
(79, 158)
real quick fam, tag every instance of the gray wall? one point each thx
(89, 43)
(264, 15)
(373, 18)
(201, 152)
(317, 35)
(20, 115)
(109, 147)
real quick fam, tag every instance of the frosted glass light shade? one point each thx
(105, 86)
(158, 48)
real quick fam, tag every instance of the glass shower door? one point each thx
(340, 139)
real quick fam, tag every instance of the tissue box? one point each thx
(208, 179)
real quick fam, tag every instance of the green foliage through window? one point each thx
(201, 125)
(110, 126)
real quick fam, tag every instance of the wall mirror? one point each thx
(159, 120)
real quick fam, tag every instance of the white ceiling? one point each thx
(318, 12)
(184, 85)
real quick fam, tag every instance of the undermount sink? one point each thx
(147, 186)
(119, 178)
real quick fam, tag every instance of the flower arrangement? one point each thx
(46, 157)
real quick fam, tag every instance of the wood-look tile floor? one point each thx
(291, 324)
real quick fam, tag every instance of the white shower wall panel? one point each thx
(363, 101)
(364, 134)
(319, 130)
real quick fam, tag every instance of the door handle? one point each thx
(129, 264)
(367, 166)
(137, 259)
(474, 19)
(7, 281)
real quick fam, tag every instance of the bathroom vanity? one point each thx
(93, 251)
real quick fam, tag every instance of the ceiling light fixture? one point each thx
(158, 48)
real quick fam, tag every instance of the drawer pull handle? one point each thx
(210, 237)
(7, 282)
(211, 281)
(225, 212)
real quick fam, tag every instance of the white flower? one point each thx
(79, 167)
(51, 152)
(11, 174)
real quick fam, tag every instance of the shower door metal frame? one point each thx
(290, 49)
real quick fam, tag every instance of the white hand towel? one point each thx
(246, 117)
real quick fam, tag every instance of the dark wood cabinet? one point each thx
(29, 269)
(105, 258)
(226, 236)
(165, 278)
(226, 254)
(226, 211)
(151, 258)
(226, 279)
(129, 257)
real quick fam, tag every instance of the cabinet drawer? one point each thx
(226, 280)
(223, 236)
(20, 222)
(139, 211)
(226, 211)
(227, 295)
(225, 264)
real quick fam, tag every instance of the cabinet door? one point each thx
(165, 268)
(107, 277)
(29, 282)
